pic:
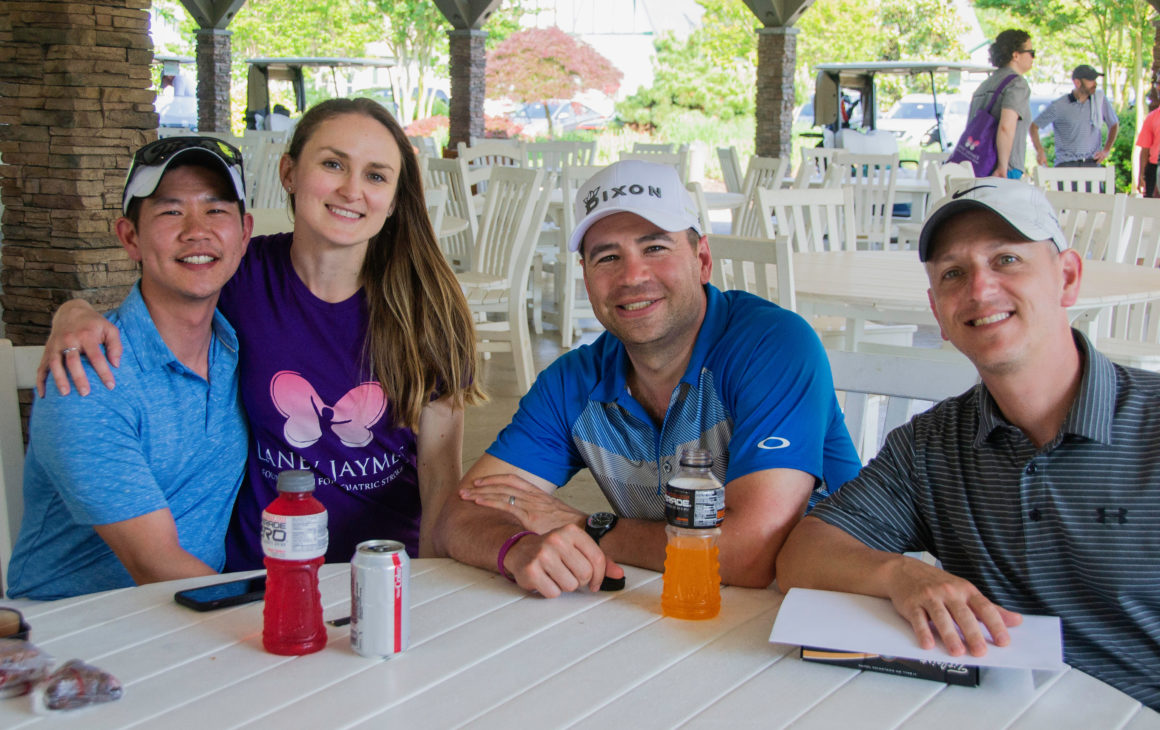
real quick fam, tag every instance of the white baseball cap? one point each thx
(151, 161)
(1023, 206)
(652, 191)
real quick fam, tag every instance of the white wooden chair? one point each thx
(587, 154)
(654, 147)
(759, 266)
(498, 281)
(553, 156)
(937, 174)
(460, 248)
(1092, 222)
(873, 178)
(492, 152)
(812, 220)
(881, 392)
(17, 372)
(436, 199)
(1077, 179)
(731, 168)
(678, 159)
(814, 165)
(571, 295)
(762, 173)
(425, 145)
(1131, 335)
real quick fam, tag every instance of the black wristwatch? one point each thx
(599, 523)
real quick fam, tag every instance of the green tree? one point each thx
(541, 64)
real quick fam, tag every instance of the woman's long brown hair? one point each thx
(420, 341)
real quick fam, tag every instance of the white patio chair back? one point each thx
(587, 153)
(460, 248)
(654, 147)
(812, 170)
(425, 145)
(678, 160)
(697, 193)
(731, 169)
(1077, 179)
(759, 266)
(436, 199)
(17, 372)
(881, 392)
(873, 178)
(517, 200)
(491, 152)
(1092, 222)
(573, 297)
(938, 174)
(1131, 336)
(812, 220)
(263, 178)
(552, 156)
(762, 173)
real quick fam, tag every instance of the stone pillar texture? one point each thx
(468, 88)
(75, 102)
(213, 80)
(776, 55)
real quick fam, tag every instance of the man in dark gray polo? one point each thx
(1039, 490)
(1078, 118)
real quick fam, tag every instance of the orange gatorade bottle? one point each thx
(694, 508)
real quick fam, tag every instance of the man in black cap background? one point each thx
(1078, 118)
(1038, 490)
(136, 484)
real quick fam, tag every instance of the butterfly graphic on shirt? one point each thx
(351, 418)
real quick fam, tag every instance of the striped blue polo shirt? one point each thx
(1071, 529)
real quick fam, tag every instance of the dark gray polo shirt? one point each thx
(1069, 530)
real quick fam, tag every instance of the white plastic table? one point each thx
(488, 655)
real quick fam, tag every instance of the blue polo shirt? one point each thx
(163, 438)
(757, 393)
(1077, 124)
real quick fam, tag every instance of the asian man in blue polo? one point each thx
(136, 484)
(1038, 490)
(682, 365)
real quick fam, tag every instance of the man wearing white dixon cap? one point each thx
(1039, 490)
(682, 365)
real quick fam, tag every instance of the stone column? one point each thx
(213, 80)
(776, 55)
(468, 88)
(75, 101)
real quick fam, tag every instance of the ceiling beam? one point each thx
(213, 13)
(780, 13)
(467, 14)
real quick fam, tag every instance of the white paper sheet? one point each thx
(849, 622)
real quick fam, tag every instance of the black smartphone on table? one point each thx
(220, 595)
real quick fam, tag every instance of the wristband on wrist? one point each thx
(503, 551)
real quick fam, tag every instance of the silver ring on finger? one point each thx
(512, 500)
(67, 350)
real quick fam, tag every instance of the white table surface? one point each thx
(486, 654)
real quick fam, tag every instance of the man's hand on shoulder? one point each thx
(536, 510)
(560, 561)
(927, 596)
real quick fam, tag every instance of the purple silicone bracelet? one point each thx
(503, 551)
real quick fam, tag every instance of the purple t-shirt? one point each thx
(312, 405)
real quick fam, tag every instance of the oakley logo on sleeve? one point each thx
(773, 442)
(351, 418)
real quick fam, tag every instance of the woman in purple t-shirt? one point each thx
(357, 353)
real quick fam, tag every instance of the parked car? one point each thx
(912, 118)
(567, 116)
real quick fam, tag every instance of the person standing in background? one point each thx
(1077, 118)
(1011, 53)
(1148, 140)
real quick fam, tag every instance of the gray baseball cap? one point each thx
(652, 191)
(151, 161)
(1023, 206)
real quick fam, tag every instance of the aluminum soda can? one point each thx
(380, 598)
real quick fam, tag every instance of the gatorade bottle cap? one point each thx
(295, 480)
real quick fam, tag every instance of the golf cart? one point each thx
(176, 101)
(841, 90)
(263, 71)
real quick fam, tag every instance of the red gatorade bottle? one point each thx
(294, 539)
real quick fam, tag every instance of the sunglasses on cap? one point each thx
(151, 161)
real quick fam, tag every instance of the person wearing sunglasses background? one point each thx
(1011, 53)
(357, 346)
(136, 485)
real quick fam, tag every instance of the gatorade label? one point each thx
(694, 508)
(301, 537)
